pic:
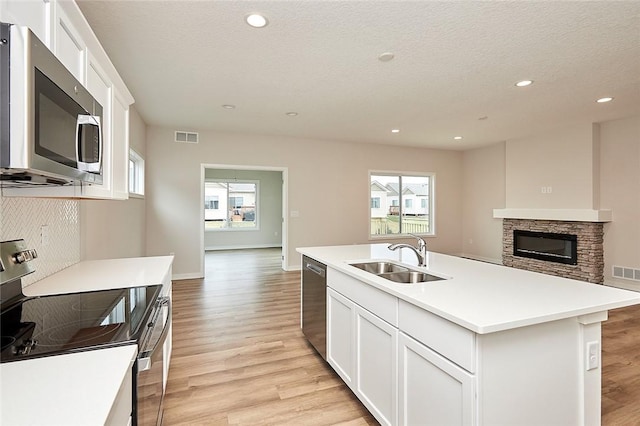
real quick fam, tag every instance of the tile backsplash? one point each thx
(25, 217)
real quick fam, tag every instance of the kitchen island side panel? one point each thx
(535, 375)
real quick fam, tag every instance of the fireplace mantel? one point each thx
(569, 215)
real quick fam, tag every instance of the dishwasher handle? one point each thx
(315, 269)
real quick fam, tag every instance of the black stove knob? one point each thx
(25, 256)
(26, 347)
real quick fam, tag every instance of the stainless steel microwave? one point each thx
(50, 125)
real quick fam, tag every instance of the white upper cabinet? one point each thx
(68, 45)
(120, 147)
(35, 14)
(62, 27)
(101, 89)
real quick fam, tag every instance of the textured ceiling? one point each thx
(455, 62)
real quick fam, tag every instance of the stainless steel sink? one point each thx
(380, 267)
(410, 277)
(396, 273)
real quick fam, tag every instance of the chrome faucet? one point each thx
(421, 251)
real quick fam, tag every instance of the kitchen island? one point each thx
(485, 345)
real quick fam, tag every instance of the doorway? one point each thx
(243, 208)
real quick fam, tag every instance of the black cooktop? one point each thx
(57, 324)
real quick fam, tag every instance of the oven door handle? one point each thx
(144, 359)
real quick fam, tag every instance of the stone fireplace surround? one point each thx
(590, 265)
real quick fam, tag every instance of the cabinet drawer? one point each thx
(380, 303)
(448, 339)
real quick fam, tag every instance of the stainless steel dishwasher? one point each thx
(314, 304)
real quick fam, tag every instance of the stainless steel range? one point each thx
(65, 323)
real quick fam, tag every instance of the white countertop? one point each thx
(80, 388)
(75, 389)
(479, 296)
(103, 275)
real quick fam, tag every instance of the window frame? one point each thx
(400, 202)
(256, 207)
(135, 188)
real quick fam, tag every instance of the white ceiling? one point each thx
(455, 62)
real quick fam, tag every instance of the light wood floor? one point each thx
(239, 356)
(621, 367)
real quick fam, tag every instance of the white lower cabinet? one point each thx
(121, 409)
(432, 390)
(362, 349)
(376, 366)
(341, 353)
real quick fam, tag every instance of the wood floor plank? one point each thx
(239, 357)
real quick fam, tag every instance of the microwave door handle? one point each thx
(144, 359)
(88, 120)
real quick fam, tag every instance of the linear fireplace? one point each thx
(589, 246)
(552, 247)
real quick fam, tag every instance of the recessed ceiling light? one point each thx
(603, 100)
(228, 106)
(395, 130)
(457, 138)
(291, 114)
(257, 21)
(524, 83)
(386, 57)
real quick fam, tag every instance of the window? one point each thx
(397, 210)
(136, 173)
(375, 203)
(236, 202)
(212, 202)
(230, 205)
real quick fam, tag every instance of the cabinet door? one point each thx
(433, 390)
(120, 148)
(341, 336)
(35, 14)
(100, 88)
(376, 363)
(68, 47)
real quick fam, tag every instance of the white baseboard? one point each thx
(625, 285)
(189, 276)
(480, 258)
(242, 247)
(293, 268)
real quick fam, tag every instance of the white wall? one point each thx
(620, 192)
(116, 228)
(269, 233)
(562, 159)
(617, 163)
(484, 190)
(328, 186)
